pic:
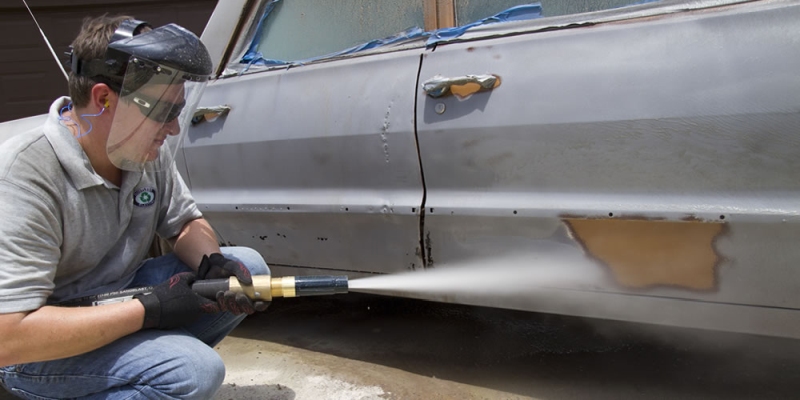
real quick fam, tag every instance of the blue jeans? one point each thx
(149, 364)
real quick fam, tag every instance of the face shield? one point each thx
(153, 113)
(159, 75)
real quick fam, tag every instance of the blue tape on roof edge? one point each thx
(517, 13)
(409, 34)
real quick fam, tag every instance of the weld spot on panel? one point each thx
(385, 132)
(646, 253)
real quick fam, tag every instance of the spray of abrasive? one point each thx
(501, 275)
(495, 276)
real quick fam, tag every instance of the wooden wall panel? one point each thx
(30, 78)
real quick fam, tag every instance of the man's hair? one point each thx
(91, 43)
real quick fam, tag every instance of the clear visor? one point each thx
(153, 113)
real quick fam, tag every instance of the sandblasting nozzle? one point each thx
(266, 287)
(295, 286)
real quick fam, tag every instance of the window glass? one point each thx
(302, 29)
(468, 11)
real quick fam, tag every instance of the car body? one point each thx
(650, 150)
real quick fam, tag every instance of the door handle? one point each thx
(462, 86)
(210, 114)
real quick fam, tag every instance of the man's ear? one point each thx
(102, 97)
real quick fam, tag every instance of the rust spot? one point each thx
(496, 159)
(471, 143)
(629, 217)
(470, 49)
(646, 253)
(429, 251)
(470, 88)
(465, 89)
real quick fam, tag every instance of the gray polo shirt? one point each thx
(67, 232)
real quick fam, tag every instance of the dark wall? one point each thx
(30, 78)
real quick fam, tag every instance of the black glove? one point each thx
(173, 304)
(238, 303)
(216, 266)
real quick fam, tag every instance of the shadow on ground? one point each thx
(531, 354)
(272, 392)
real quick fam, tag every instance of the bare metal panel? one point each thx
(315, 166)
(651, 152)
(664, 150)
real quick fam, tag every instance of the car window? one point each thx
(305, 29)
(299, 31)
(469, 11)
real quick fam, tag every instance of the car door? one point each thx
(315, 165)
(657, 143)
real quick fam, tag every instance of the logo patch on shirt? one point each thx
(144, 197)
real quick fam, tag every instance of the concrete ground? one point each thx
(372, 347)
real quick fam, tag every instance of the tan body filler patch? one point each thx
(644, 253)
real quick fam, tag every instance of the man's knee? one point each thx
(248, 257)
(187, 372)
(148, 364)
(208, 373)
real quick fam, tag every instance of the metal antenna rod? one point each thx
(47, 41)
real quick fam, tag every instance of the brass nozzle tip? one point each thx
(283, 287)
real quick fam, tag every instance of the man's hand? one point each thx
(173, 304)
(216, 266)
(238, 303)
